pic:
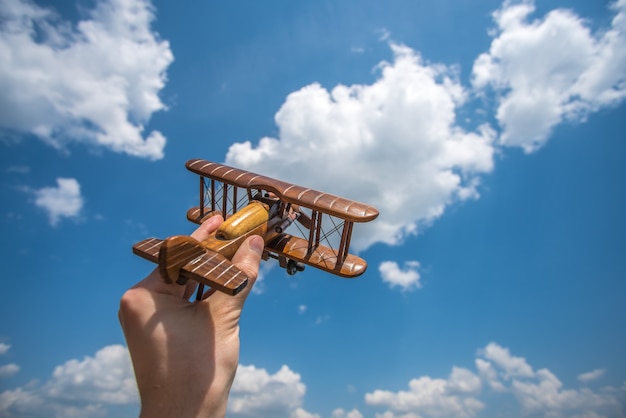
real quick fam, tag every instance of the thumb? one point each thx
(247, 259)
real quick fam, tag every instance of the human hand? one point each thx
(185, 354)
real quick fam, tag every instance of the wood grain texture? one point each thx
(216, 271)
(181, 257)
(272, 206)
(200, 263)
(324, 202)
(246, 219)
(175, 252)
(322, 257)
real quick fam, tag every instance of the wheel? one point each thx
(293, 267)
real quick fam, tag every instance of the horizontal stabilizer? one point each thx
(148, 249)
(216, 271)
(209, 268)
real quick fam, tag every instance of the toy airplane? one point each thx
(252, 204)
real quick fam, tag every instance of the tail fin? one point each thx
(174, 253)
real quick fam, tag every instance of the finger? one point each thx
(247, 259)
(207, 227)
(204, 230)
(208, 293)
(155, 282)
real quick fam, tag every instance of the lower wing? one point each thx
(321, 257)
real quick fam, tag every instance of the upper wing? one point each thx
(340, 207)
(209, 268)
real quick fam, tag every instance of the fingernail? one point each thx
(257, 244)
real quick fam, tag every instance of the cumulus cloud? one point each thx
(393, 144)
(341, 413)
(95, 385)
(396, 143)
(77, 388)
(540, 392)
(591, 376)
(105, 378)
(550, 70)
(407, 278)
(509, 365)
(96, 82)
(63, 201)
(452, 397)
(499, 375)
(9, 370)
(257, 393)
(21, 402)
(301, 413)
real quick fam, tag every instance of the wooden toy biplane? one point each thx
(252, 204)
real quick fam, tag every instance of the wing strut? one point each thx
(212, 195)
(224, 199)
(201, 196)
(346, 235)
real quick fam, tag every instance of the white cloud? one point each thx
(341, 413)
(509, 365)
(393, 144)
(257, 393)
(77, 388)
(407, 278)
(301, 413)
(544, 394)
(96, 82)
(550, 70)
(4, 348)
(9, 370)
(63, 201)
(539, 393)
(105, 378)
(95, 385)
(452, 397)
(20, 402)
(591, 376)
(396, 143)
(264, 270)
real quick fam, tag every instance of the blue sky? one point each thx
(490, 135)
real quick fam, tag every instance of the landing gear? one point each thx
(293, 267)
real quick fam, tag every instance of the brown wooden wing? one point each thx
(321, 257)
(209, 268)
(149, 249)
(340, 207)
(214, 270)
